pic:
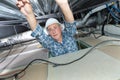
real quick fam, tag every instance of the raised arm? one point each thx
(63, 4)
(26, 8)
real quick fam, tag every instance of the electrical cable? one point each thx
(4, 58)
(63, 64)
(12, 60)
(113, 14)
(19, 77)
(117, 9)
(103, 26)
(11, 47)
(15, 30)
(118, 3)
(93, 33)
(96, 37)
(9, 63)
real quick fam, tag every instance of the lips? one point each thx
(55, 35)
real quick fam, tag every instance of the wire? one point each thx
(63, 64)
(15, 30)
(11, 47)
(4, 58)
(12, 59)
(19, 77)
(117, 9)
(9, 63)
(96, 37)
(113, 14)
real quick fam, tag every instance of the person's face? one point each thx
(55, 31)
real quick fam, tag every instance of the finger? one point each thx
(20, 4)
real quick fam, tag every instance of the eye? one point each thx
(49, 30)
(55, 27)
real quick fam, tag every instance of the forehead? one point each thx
(53, 25)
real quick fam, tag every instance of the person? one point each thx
(56, 37)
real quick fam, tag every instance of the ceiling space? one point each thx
(12, 21)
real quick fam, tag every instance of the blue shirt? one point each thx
(68, 42)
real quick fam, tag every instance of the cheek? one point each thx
(59, 30)
(50, 34)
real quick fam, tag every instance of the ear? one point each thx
(62, 26)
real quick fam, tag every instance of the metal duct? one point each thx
(10, 15)
(46, 6)
(24, 21)
(9, 10)
(72, 2)
(10, 2)
(50, 5)
(26, 36)
(75, 3)
(37, 8)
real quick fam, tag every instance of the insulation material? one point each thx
(14, 63)
(95, 66)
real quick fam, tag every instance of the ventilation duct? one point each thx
(11, 16)
(20, 38)
(6, 11)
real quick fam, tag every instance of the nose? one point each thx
(53, 31)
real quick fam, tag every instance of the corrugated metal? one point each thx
(10, 14)
(8, 10)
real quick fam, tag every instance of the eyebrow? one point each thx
(55, 25)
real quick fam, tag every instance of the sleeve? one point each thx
(40, 35)
(37, 31)
(70, 28)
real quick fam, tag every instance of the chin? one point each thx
(56, 38)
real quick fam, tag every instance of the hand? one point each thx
(60, 2)
(25, 7)
(64, 5)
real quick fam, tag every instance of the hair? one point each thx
(58, 25)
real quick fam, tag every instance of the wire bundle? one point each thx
(116, 17)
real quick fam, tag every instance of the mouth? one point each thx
(54, 35)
